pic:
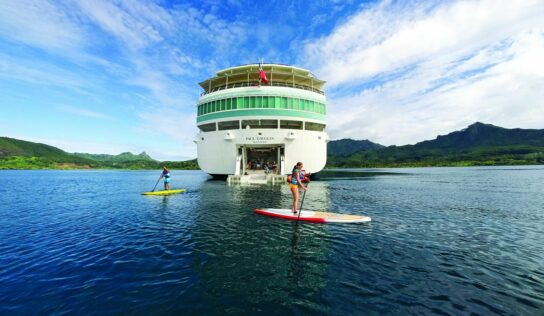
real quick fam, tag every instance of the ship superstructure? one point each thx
(247, 127)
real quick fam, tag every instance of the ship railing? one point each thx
(256, 84)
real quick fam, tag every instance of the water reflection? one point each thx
(331, 174)
(246, 257)
(164, 203)
(442, 241)
(296, 270)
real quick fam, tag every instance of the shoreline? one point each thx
(327, 168)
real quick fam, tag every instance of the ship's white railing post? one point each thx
(244, 160)
(238, 161)
(282, 165)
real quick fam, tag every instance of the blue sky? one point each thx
(114, 76)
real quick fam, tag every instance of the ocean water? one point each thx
(442, 241)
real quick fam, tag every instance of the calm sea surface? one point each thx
(448, 241)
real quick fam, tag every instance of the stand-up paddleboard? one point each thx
(311, 216)
(165, 192)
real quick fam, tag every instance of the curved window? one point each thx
(228, 125)
(309, 126)
(269, 124)
(251, 124)
(290, 124)
(207, 127)
(261, 102)
(260, 124)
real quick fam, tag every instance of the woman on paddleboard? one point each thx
(295, 182)
(166, 175)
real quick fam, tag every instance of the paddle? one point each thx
(160, 180)
(302, 202)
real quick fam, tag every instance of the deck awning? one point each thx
(248, 75)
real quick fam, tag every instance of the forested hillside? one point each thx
(478, 144)
(20, 154)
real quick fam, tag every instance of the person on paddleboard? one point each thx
(295, 182)
(166, 175)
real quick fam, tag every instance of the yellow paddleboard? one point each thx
(165, 192)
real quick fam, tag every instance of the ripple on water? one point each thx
(442, 241)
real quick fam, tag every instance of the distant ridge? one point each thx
(480, 134)
(126, 156)
(478, 144)
(347, 146)
(20, 154)
(16, 147)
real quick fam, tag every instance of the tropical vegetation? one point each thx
(478, 144)
(19, 154)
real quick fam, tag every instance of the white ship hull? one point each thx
(246, 127)
(230, 152)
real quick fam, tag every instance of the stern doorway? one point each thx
(261, 160)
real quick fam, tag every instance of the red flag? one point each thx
(262, 75)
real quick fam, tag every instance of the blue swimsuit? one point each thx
(294, 179)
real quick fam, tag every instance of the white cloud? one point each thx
(137, 24)
(40, 23)
(84, 112)
(143, 51)
(38, 73)
(178, 125)
(433, 69)
(388, 36)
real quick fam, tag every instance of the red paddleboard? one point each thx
(312, 216)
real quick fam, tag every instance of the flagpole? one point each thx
(262, 74)
(260, 68)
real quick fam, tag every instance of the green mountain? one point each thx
(347, 146)
(126, 156)
(478, 144)
(15, 147)
(19, 154)
(480, 134)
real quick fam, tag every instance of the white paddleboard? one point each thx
(313, 216)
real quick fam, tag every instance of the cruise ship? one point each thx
(260, 120)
